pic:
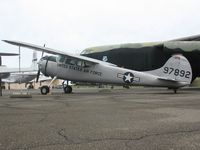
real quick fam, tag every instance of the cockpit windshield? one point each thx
(52, 58)
(44, 58)
(49, 58)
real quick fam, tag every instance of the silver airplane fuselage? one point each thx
(100, 73)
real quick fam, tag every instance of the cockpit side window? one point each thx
(69, 61)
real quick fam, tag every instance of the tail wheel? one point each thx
(44, 90)
(67, 89)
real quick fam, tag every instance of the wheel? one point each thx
(67, 89)
(44, 90)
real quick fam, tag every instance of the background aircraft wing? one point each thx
(42, 79)
(189, 38)
(8, 80)
(4, 69)
(8, 54)
(55, 52)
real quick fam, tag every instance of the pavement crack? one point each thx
(62, 134)
(88, 140)
(159, 134)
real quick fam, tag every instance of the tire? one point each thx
(67, 89)
(44, 90)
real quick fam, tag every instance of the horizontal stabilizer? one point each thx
(167, 79)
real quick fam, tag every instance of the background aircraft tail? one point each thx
(177, 69)
(34, 64)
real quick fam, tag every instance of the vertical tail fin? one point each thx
(177, 69)
(34, 61)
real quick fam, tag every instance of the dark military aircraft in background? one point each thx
(149, 56)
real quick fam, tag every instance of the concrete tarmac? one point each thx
(93, 119)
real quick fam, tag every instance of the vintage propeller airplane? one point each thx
(175, 73)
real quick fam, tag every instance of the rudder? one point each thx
(34, 61)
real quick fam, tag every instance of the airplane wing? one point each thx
(56, 52)
(4, 69)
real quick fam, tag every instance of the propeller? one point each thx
(38, 73)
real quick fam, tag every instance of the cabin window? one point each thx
(86, 64)
(70, 61)
(80, 63)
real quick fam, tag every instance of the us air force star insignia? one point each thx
(128, 77)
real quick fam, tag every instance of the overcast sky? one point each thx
(73, 25)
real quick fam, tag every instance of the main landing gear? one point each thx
(66, 87)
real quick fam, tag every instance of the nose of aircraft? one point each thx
(45, 64)
(42, 63)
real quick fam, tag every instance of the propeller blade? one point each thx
(38, 75)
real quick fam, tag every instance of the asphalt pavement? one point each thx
(101, 119)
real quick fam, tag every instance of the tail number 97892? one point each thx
(177, 72)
